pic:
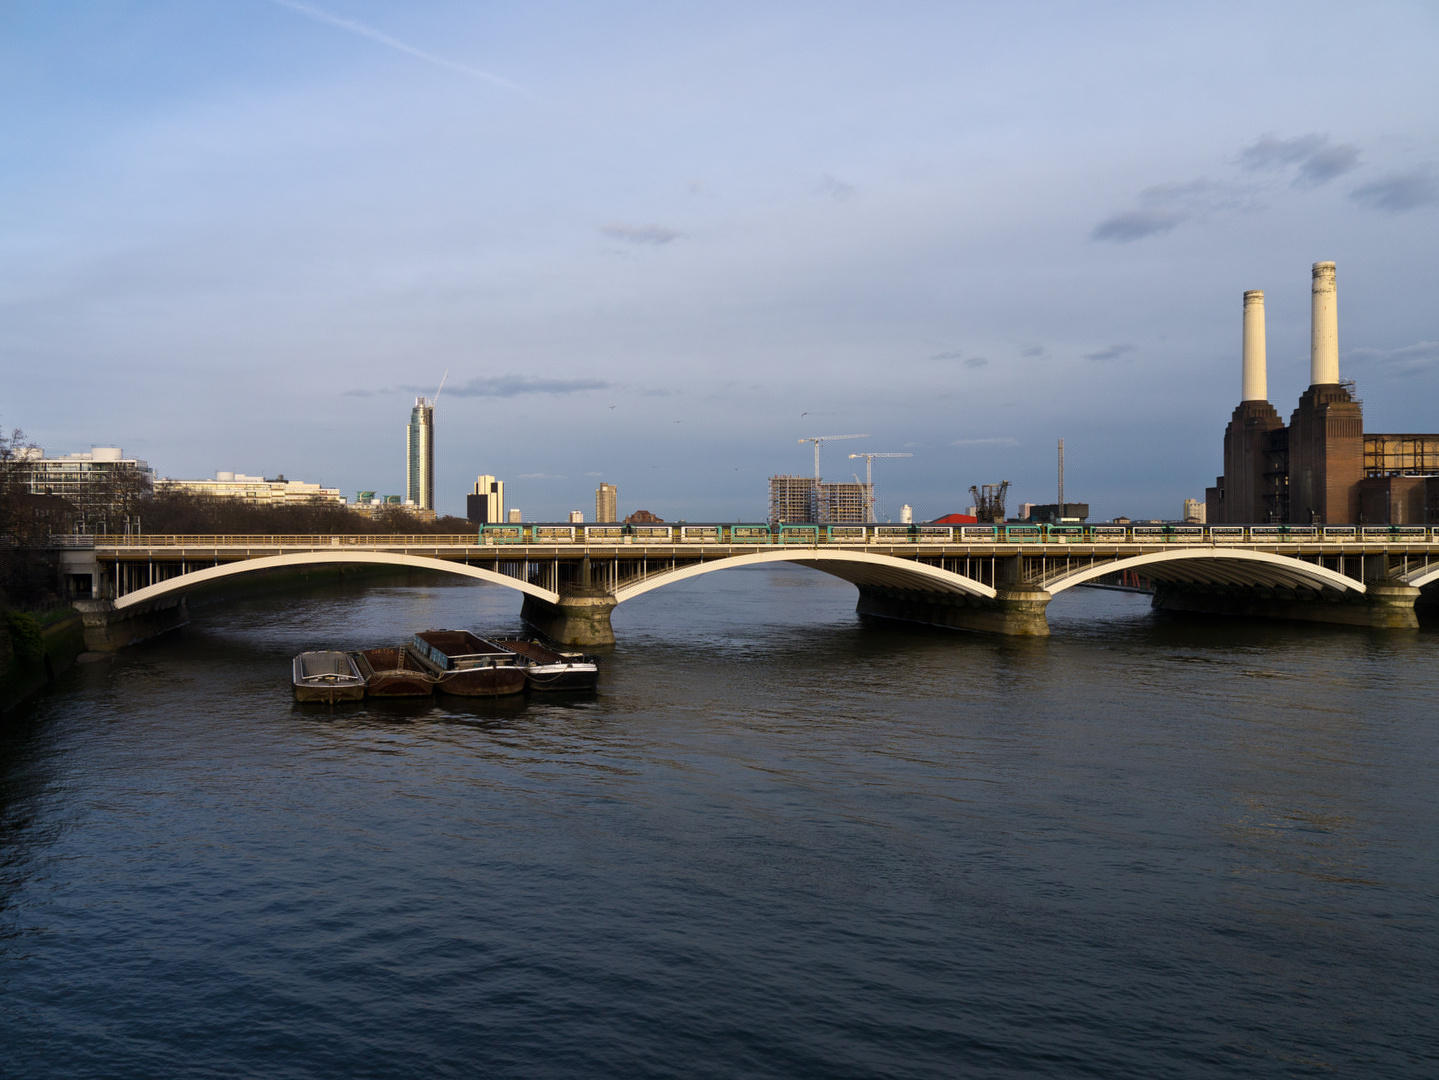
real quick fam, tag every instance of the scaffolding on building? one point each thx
(845, 504)
(792, 499)
(806, 500)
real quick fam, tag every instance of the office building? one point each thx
(607, 503)
(103, 485)
(1054, 514)
(577, 517)
(1194, 511)
(485, 504)
(254, 490)
(515, 518)
(420, 455)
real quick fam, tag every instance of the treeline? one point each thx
(25, 576)
(181, 513)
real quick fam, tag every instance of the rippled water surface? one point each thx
(778, 842)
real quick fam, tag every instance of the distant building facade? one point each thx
(1322, 468)
(485, 503)
(254, 490)
(607, 498)
(577, 517)
(102, 486)
(1054, 514)
(420, 455)
(1194, 510)
(844, 504)
(803, 499)
(644, 517)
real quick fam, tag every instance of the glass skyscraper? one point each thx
(420, 461)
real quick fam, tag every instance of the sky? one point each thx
(657, 244)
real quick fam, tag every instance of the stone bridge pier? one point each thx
(581, 617)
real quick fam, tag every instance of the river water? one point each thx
(779, 842)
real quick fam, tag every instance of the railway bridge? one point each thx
(994, 580)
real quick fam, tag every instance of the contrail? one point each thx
(385, 39)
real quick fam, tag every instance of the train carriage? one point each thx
(651, 534)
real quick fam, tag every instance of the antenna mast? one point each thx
(1060, 515)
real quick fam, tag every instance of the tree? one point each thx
(25, 523)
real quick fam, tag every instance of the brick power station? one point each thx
(1322, 469)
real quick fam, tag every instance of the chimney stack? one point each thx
(1256, 382)
(1324, 328)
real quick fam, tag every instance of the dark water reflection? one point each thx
(778, 842)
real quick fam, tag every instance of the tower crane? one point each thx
(817, 439)
(869, 475)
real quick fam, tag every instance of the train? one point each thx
(743, 534)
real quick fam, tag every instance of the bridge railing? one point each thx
(304, 540)
(789, 535)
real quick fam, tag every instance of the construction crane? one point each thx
(817, 439)
(869, 477)
(989, 501)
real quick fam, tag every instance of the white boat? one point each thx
(546, 669)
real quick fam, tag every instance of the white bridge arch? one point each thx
(1215, 566)
(189, 580)
(856, 567)
(1423, 577)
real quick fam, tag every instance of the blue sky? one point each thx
(656, 244)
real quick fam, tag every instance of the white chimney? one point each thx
(1256, 382)
(1324, 328)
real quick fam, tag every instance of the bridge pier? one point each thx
(1018, 612)
(108, 630)
(1384, 605)
(582, 617)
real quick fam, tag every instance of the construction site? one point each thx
(806, 499)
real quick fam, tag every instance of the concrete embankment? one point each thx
(35, 650)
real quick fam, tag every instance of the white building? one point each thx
(255, 490)
(102, 485)
(485, 503)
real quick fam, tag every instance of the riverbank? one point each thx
(35, 650)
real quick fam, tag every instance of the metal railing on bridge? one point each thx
(544, 534)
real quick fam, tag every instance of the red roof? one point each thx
(956, 519)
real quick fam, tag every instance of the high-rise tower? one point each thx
(420, 459)
(607, 503)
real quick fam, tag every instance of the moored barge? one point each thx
(327, 676)
(546, 669)
(468, 665)
(395, 672)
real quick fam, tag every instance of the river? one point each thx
(780, 841)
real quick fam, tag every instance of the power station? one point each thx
(1321, 469)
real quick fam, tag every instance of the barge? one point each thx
(546, 669)
(327, 676)
(395, 672)
(468, 665)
